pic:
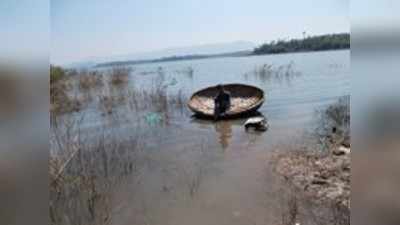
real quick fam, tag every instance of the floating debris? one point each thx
(153, 118)
(173, 82)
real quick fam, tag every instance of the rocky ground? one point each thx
(323, 177)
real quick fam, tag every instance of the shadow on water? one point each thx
(224, 130)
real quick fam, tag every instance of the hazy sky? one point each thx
(24, 29)
(81, 29)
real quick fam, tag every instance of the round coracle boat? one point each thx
(245, 99)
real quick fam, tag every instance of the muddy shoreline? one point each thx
(321, 177)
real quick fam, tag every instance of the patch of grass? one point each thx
(157, 98)
(269, 72)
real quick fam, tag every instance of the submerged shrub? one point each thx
(269, 72)
(60, 101)
(120, 75)
(90, 79)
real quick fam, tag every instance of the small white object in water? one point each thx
(259, 123)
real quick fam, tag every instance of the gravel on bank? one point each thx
(324, 178)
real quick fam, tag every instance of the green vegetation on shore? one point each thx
(314, 43)
(56, 73)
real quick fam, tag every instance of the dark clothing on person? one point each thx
(222, 103)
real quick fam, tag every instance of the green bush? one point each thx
(56, 73)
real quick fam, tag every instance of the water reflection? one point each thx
(253, 137)
(224, 130)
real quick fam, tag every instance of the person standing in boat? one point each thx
(222, 102)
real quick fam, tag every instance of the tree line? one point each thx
(313, 43)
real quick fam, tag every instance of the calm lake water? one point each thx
(201, 172)
(315, 80)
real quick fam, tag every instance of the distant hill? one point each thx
(314, 43)
(80, 65)
(206, 49)
(174, 58)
